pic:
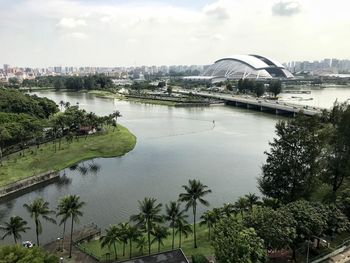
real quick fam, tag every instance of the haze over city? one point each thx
(40, 33)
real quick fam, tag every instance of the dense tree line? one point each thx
(41, 121)
(258, 88)
(98, 81)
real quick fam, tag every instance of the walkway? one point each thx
(77, 255)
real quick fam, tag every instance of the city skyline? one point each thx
(37, 33)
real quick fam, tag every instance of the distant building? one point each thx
(243, 67)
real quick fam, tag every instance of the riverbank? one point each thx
(33, 161)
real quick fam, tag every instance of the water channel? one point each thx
(173, 145)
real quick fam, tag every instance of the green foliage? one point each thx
(343, 202)
(194, 194)
(18, 254)
(292, 165)
(233, 243)
(14, 101)
(275, 87)
(199, 258)
(14, 227)
(259, 89)
(276, 228)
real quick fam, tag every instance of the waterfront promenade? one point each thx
(274, 106)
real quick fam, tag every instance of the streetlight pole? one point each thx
(308, 250)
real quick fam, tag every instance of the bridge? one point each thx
(272, 106)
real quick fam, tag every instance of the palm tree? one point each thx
(63, 211)
(160, 233)
(172, 213)
(132, 233)
(195, 191)
(242, 205)
(209, 219)
(111, 238)
(116, 114)
(14, 227)
(62, 103)
(252, 200)
(122, 228)
(148, 216)
(39, 208)
(74, 212)
(141, 242)
(229, 209)
(182, 228)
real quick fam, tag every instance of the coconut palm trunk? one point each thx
(115, 251)
(194, 225)
(71, 238)
(172, 246)
(130, 248)
(180, 238)
(149, 236)
(37, 231)
(64, 232)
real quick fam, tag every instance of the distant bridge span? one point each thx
(276, 107)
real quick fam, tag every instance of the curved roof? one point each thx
(254, 61)
(247, 66)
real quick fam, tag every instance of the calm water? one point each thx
(320, 97)
(173, 145)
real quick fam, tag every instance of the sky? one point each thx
(41, 33)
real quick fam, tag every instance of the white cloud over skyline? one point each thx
(122, 33)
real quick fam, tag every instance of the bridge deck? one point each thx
(260, 103)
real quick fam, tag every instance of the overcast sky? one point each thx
(165, 32)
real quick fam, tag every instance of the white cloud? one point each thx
(286, 8)
(71, 22)
(125, 34)
(217, 10)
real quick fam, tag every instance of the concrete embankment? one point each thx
(26, 184)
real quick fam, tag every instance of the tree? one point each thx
(276, 228)
(111, 238)
(14, 254)
(259, 89)
(4, 136)
(141, 242)
(148, 216)
(292, 165)
(39, 208)
(233, 243)
(74, 212)
(58, 84)
(343, 202)
(122, 228)
(194, 193)
(173, 212)
(275, 87)
(115, 115)
(309, 222)
(242, 205)
(159, 233)
(14, 227)
(132, 233)
(229, 209)
(169, 89)
(338, 150)
(252, 199)
(182, 227)
(63, 212)
(208, 219)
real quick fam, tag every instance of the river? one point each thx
(173, 145)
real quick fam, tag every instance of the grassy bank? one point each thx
(204, 246)
(110, 95)
(35, 160)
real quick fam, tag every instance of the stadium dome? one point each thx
(244, 67)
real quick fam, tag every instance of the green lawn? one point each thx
(204, 247)
(36, 161)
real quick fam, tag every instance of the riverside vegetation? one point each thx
(305, 197)
(36, 138)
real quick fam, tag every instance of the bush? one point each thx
(199, 258)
